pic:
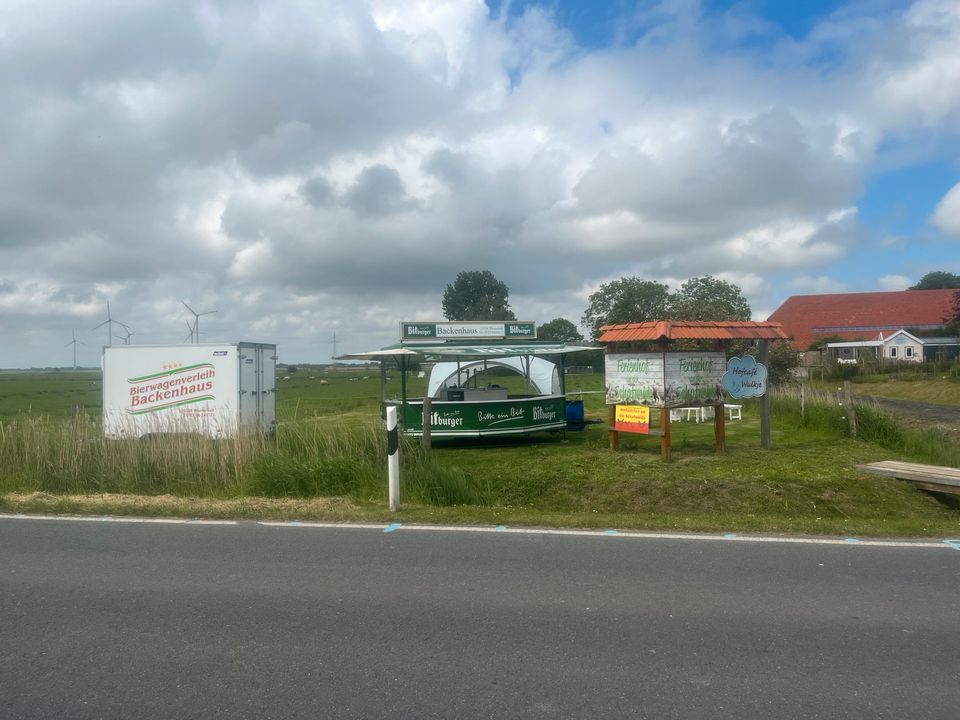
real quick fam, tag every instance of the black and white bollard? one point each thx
(393, 459)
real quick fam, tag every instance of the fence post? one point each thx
(803, 400)
(848, 406)
(393, 459)
(764, 360)
(613, 435)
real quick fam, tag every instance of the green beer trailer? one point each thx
(457, 404)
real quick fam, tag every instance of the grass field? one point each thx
(328, 461)
(49, 393)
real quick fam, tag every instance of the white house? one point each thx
(900, 346)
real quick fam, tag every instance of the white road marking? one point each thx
(946, 544)
(307, 524)
(928, 544)
(118, 519)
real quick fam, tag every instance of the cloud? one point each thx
(329, 165)
(917, 70)
(378, 190)
(894, 282)
(946, 216)
(816, 285)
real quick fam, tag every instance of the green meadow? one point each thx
(328, 460)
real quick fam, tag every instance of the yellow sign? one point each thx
(632, 418)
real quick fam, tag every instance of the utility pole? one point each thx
(334, 341)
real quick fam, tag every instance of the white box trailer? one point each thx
(215, 390)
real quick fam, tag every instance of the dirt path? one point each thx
(919, 414)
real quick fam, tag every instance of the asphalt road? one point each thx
(119, 620)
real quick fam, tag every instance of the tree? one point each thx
(782, 360)
(477, 295)
(709, 298)
(937, 280)
(952, 326)
(561, 330)
(629, 299)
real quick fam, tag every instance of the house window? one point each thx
(908, 352)
(893, 352)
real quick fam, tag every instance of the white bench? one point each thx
(734, 412)
(699, 414)
(702, 414)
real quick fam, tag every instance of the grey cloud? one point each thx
(444, 164)
(317, 191)
(378, 190)
(494, 206)
(762, 168)
(67, 47)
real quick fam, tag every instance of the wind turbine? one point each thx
(110, 322)
(196, 321)
(126, 338)
(192, 331)
(74, 342)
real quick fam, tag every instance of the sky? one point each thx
(319, 169)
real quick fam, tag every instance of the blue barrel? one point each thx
(574, 415)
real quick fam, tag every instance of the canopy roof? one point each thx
(459, 349)
(542, 373)
(691, 330)
(384, 354)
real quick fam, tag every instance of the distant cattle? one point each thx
(324, 382)
(286, 377)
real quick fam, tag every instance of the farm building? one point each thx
(862, 316)
(900, 346)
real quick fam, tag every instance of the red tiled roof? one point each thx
(861, 316)
(690, 330)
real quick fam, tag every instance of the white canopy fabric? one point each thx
(543, 373)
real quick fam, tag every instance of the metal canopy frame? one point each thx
(457, 350)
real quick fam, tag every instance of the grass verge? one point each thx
(333, 469)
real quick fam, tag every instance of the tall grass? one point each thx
(38, 453)
(304, 459)
(825, 412)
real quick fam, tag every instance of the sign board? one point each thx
(496, 417)
(214, 390)
(468, 330)
(745, 377)
(664, 379)
(632, 418)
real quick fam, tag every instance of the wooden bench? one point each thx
(935, 478)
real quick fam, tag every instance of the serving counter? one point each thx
(518, 415)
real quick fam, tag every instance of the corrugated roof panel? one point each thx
(860, 316)
(690, 330)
